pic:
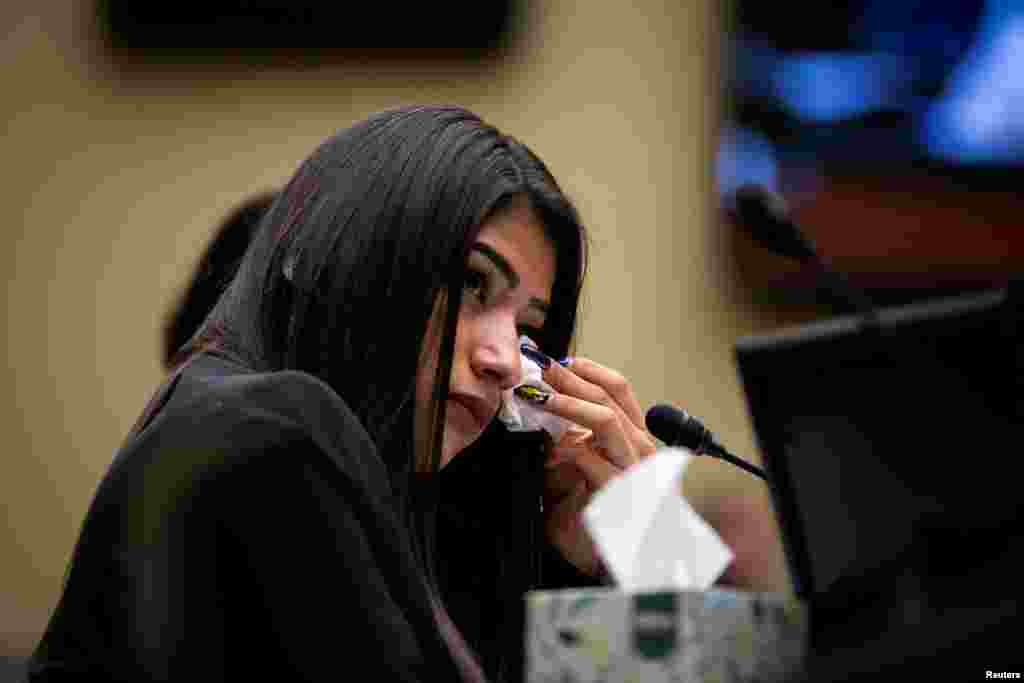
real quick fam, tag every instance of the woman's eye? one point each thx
(476, 282)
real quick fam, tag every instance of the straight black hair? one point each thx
(370, 237)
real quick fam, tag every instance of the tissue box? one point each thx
(609, 636)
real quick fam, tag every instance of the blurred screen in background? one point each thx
(915, 86)
(893, 129)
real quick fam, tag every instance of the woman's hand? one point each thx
(612, 438)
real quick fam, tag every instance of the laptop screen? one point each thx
(870, 434)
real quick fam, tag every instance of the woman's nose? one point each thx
(496, 356)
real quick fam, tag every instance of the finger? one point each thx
(642, 440)
(596, 470)
(602, 420)
(643, 443)
(564, 454)
(574, 436)
(596, 383)
(560, 480)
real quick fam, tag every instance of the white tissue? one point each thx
(648, 535)
(522, 416)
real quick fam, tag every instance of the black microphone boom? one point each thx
(676, 427)
(765, 217)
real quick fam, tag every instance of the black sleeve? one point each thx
(323, 572)
(246, 533)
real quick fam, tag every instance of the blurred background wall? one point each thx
(115, 180)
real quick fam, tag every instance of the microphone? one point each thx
(765, 217)
(676, 427)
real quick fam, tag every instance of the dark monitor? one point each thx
(876, 434)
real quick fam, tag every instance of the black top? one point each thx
(248, 528)
(492, 547)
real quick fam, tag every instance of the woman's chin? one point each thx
(455, 441)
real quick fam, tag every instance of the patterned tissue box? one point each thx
(602, 635)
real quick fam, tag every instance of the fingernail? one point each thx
(565, 362)
(536, 356)
(556, 459)
(532, 394)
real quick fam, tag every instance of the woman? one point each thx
(275, 510)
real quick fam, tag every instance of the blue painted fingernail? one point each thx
(536, 356)
(565, 362)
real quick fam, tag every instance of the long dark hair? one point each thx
(370, 235)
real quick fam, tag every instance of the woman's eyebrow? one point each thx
(509, 273)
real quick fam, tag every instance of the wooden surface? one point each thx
(890, 234)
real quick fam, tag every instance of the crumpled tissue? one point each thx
(646, 532)
(522, 416)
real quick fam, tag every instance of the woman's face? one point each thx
(511, 270)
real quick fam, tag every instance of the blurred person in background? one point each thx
(213, 273)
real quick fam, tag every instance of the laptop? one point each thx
(876, 431)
